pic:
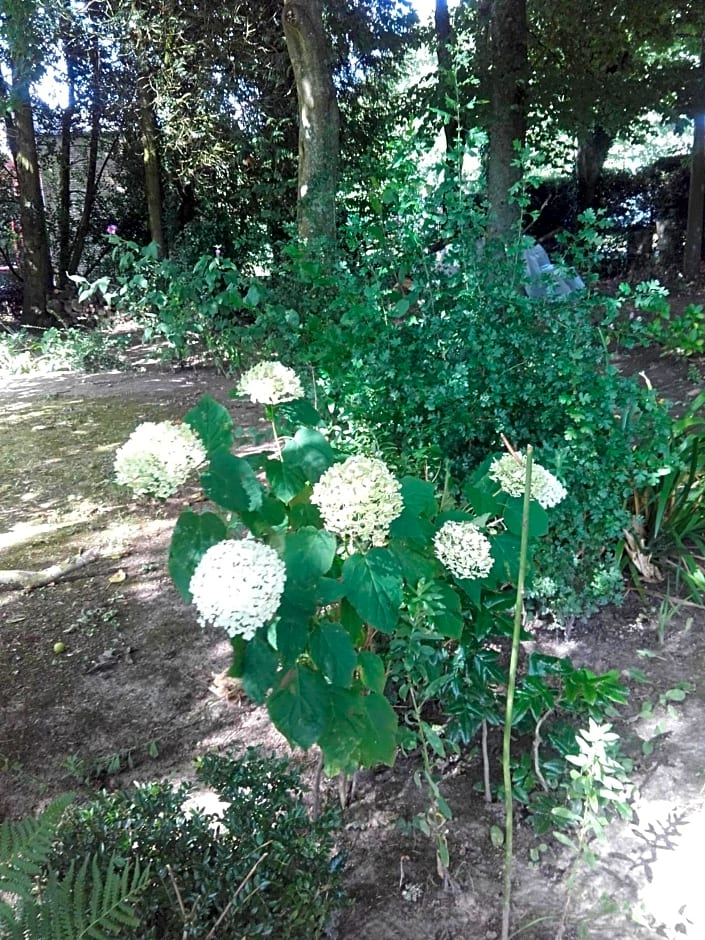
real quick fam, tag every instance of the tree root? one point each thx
(29, 580)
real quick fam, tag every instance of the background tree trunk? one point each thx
(446, 80)
(319, 121)
(152, 165)
(593, 147)
(37, 273)
(509, 71)
(692, 255)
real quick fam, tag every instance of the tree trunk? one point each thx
(152, 166)
(447, 93)
(692, 255)
(63, 211)
(319, 121)
(593, 147)
(508, 91)
(36, 260)
(91, 189)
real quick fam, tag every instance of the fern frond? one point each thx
(24, 848)
(88, 903)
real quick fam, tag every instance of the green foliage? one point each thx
(650, 320)
(84, 900)
(669, 512)
(201, 862)
(59, 350)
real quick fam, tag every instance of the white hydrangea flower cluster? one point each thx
(270, 383)
(359, 499)
(238, 585)
(464, 550)
(157, 458)
(510, 472)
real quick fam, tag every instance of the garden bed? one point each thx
(106, 678)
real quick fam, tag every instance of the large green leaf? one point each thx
(538, 517)
(418, 496)
(447, 616)
(332, 651)
(285, 479)
(414, 563)
(411, 527)
(310, 451)
(300, 412)
(231, 483)
(372, 671)
(213, 424)
(193, 535)
(300, 707)
(361, 731)
(309, 553)
(260, 668)
(373, 585)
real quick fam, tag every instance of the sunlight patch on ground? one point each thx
(674, 895)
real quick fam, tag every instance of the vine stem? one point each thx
(511, 686)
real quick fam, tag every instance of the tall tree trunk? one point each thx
(319, 121)
(509, 73)
(37, 273)
(448, 105)
(593, 147)
(64, 202)
(152, 165)
(91, 189)
(692, 255)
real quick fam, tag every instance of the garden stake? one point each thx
(506, 741)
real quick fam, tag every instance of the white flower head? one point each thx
(157, 458)
(238, 585)
(463, 549)
(510, 472)
(359, 499)
(270, 383)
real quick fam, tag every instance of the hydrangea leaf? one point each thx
(310, 451)
(411, 527)
(372, 671)
(446, 618)
(332, 651)
(285, 479)
(291, 637)
(414, 563)
(361, 732)
(213, 424)
(373, 585)
(231, 483)
(300, 412)
(309, 553)
(538, 517)
(237, 664)
(419, 496)
(300, 707)
(193, 535)
(260, 668)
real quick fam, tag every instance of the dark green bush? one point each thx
(263, 861)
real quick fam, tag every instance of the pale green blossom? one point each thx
(157, 458)
(359, 499)
(238, 585)
(464, 550)
(270, 383)
(510, 472)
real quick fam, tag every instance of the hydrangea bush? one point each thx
(312, 563)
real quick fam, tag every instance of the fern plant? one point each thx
(86, 902)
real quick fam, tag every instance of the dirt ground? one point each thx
(134, 694)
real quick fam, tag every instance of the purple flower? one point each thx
(217, 249)
(112, 230)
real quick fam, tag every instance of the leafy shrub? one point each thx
(58, 350)
(262, 866)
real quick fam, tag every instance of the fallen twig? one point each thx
(28, 580)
